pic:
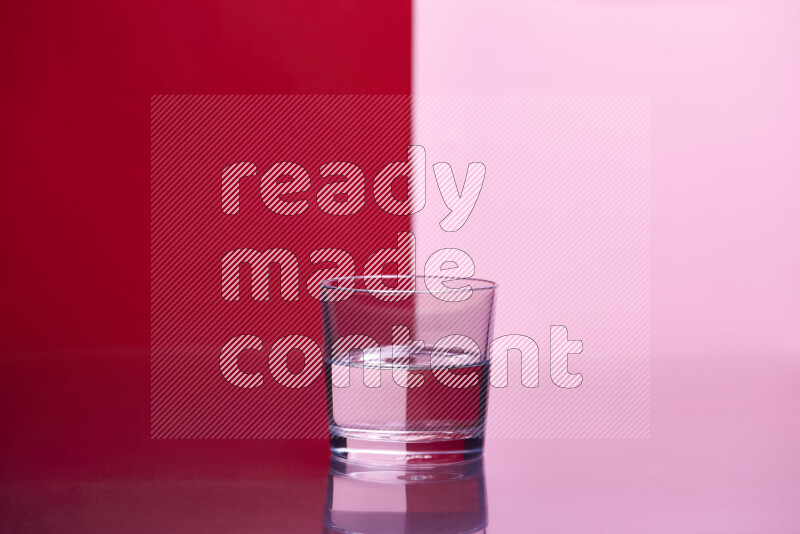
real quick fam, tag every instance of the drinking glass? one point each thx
(406, 367)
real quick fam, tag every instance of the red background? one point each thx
(77, 82)
(193, 140)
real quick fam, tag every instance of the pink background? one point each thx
(723, 79)
(562, 224)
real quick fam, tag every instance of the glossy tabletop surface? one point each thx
(722, 457)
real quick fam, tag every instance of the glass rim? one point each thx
(483, 284)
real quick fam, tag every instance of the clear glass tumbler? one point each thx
(407, 367)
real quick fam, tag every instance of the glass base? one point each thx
(388, 452)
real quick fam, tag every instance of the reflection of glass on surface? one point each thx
(407, 378)
(441, 499)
